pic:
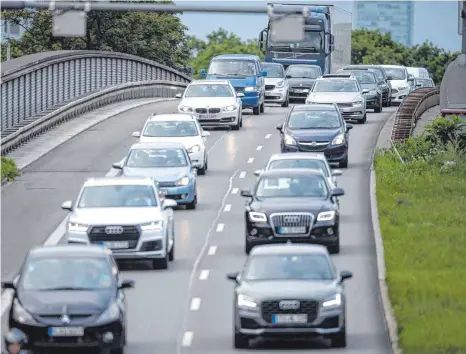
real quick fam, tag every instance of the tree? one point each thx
(157, 36)
(218, 42)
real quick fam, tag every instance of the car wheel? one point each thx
(262, 107)
(236, 126)
(344, 164)
(171, 254)
(256, 111)
(363, 120)
(286, 103)
(201, 171)
(339, 339)
(192, 205)
(240, 341)
(378, 109)
(160, 263)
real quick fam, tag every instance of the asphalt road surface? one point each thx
(188, 308)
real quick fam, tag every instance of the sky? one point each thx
(436, 21)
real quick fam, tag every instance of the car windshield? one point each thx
(314, 120)
(335, 86)
(289, 267)
(156, 158)
(70, 273)
(303, 72)
(396, 73)
(305, 186)
(378, 73)
(312, 164)
(208, 91)
(424, 83)
(313, 41)
(232, 67)
(273, 71)
(117, 196)
(170, 129)
(364, 76)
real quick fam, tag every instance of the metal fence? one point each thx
(34, 89)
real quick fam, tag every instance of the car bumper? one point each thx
(399, 96)
(334, 154)
(372, 101)
(39, 339)
(218, 119)
(353, 113)
(277, 95)
(299, 94)
(251, 100)
(182, 195)
(197, 159)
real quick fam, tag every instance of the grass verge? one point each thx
(8, 169)
(422, 212)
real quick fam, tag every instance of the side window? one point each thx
(258, 68)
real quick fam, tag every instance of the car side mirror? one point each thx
(336, 173)
(344, 275)
(246, 193)
(136, 134)
(263, 73)
(233, 276)
(169, 203)
(68, 205)
(205, 134)
(349, 127)
(338, 192)
(117, 166)
(178, 95)
(418, 85)
(410, 77)
(365, 91)
(389, 78)
(8, 285)
(257, 173)
(126, 284)
(203, 73)
(279, 127)
(240, 94)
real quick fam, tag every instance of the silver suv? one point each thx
(126, 215)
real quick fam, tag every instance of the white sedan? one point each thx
(178, 128)
(214, 103)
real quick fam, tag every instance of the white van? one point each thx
(421, 73)
(399, 80)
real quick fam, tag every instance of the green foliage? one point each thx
(218, 42)
(9, 169)
(447, 130)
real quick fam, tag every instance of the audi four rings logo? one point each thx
(114, 230)
(291, 218)
(289, 304)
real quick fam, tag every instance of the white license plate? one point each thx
(292, 230)
(116, 244)
(66, 331)
(268, 93)
(207, 116)
(297, 318)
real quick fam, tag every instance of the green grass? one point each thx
(422, 211)
(9, 170)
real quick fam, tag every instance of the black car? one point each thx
(70, 296)
(316, 128)
(289, 291)
(300, 79)
(368, 80)
(382, 79)
(292, 206)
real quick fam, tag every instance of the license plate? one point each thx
(268, 93)
(66, 331)
(206, 116)
(295, 318)
(292, 230)
(116, 244)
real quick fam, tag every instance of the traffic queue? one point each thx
(72, 296)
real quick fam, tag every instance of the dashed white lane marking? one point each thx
(227, 207)
(220, 227)
(212, 250)
(187, 339)
(250, 160)
(234, 191)
(268, 136)
(195, 303)
(259, 148)
(242, 174)
(204, 274)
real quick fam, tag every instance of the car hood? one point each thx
(76, 302)
(301, 82)
(284, 205)
(203, 102)
(335, 97)
(187, 141)
(314, 134)
(369, 86)
(288, 289)
(396, 84)
(273, 80)
(165, 174)
(115, 216)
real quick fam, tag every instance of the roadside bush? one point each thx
(9, 169)
(447, 130)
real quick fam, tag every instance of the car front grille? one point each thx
(308, 307)
(167, 184)
(280, 220)
(130, 233)
(239, 89)
(269, 87)
(344, 105)
(71, 317)
(207, 110)
(310, 146)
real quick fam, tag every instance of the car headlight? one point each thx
(229, 108)
(373, 92)
(194, 149)
(289, 140)
(280, 84)
(246, 302)
(357, 103)
(111, 314)
(402, 88)
(183, 181)
(152, 226)
(75, 227)
(185, 109)
(251, 89)
(339, 139)
(326, 216)
(257, 217)
(334, 301)
(21, 315)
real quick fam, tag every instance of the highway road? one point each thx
(188, 308)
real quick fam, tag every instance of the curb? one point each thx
(389, 314)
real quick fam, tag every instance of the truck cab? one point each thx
(245, 74)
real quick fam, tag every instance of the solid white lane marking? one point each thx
(242, 174)
(250, 160)
(234, 191)
(227, 207)
(259, 148)
(195, 303)
(220, 227)
(187, 339)
(268, 136)
(212, 250)
(204, 274)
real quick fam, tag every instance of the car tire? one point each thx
(160, 263)
(363, 120)
(262, 107)
(202, 171)
(256, 111)
(240, 341)
(286, 103)
(192, 205)
(344, 164)
(171, 254)
(378, 109)
(339, 339)
(241, 120)
(236, 126)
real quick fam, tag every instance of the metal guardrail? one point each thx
(127, 91)
(33, 89)
(411, 109)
